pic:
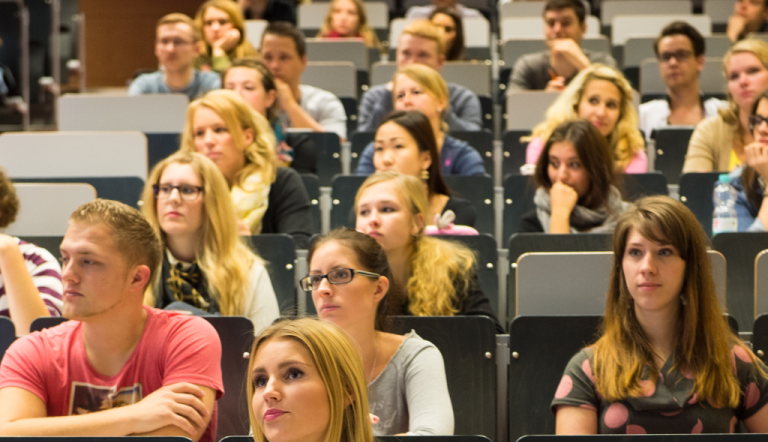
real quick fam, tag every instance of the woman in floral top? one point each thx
(667, 361)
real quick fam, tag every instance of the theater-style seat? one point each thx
(484, 246)
(7, 335)
(696, 193)
(279, 253)
(760, 337)
(312, 184)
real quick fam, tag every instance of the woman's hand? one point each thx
(563, 198)
(757, 157)
(226, 42)
(242, 228)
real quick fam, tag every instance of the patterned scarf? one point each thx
(600, 220)
(251, 201)
(185, 282)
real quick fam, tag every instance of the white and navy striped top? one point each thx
(46, 274)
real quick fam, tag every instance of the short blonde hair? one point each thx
(238, 116)
(428, 78)
(427, 30)
(339, 366)
(178, 17)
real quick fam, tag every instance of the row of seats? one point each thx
(500, 385)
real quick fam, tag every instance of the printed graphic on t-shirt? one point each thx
(87, 398)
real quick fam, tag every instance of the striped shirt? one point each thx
(46, 274)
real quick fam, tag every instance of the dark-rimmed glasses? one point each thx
(756, 120)
(337, 276)
(186, 192)
(680, 56)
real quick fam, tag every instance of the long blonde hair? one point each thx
(625, 140)
(429, 79)
(222, 256)
(703, 338)
(731, 115)
(440, 271)
(238, 116)
(340, 367)
(244, 47)
(364, 29)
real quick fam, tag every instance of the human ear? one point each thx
(418, 224)
(382, 286)
(248, 136)
(140, 277)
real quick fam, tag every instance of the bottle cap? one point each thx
(724, 178)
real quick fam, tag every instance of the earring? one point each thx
(424, 174)
(683, 301)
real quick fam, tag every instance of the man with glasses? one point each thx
(176, 48)
(680, 51)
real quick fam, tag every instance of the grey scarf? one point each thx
(600, 220)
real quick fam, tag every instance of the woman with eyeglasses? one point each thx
(718, 143)
(206, 265)
(750, 182)
(349, 278)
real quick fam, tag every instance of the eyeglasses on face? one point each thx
(680, 56)
(337, 276)
(756, 120)
(186, 192)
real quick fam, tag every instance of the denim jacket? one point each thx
(746, 212)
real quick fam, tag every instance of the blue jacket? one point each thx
(746, 213)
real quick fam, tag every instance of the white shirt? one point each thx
(654, 114)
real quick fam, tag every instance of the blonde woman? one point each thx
(601, 95)
(348, 19)
(420, 88)
(438, 276)
(267, 199)
(718, 142)
(306, 383)
(223, 28)
(205, 264)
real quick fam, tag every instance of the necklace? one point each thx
(375, 359)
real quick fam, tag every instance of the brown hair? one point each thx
(288, 30)
(456, 51)
(364, 29)
(594, 154)
(749, 176)
(372, 258)
(703, 338)
(9, 201)
(134, 237)
(267, 79)
(177, 17)
(577, 5)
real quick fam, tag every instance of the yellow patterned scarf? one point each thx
(251, 201)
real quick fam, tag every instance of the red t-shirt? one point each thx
(173, 348)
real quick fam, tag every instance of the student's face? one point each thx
(247, 83)
(384, 215)
(213, 139)
(94, 273)
(760, 133)
(280, 55)
(175, 46)
(410, 95)
(290, 400)
(446, 23)
(754, 11)
(565, 166)
(344, 18)
(344, 304)
(216, 23)
(395, 149)
(747, 78)
(600, 105)
(678, 65)
(563, 23)
(413, 49)
(177, 216)
(654, 274)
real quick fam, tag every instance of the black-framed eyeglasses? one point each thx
(186, 192)
(680, 56)
(338, 276)
(756, 120)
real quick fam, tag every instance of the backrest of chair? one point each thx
(378, 14)
(760, 337)
(254, 29)
(477, 32)
(43, 322)
(761, 283)
(479, 191)
(525, 109)
(359, 141)
(514, 48)
(671, 146)
(312, 184)
(161, 146)
(718, 45)
(696, 193)
(336, 77)
(638, 185)
(474, 76)
(518, 199)
(328, 149)
(64, 154)
(382, 72)
(320, 49)
(637, 49)
(513, 151)
(521, 9)
(540, 348)
(151, 113)
(311, 15)
(612, 8)
(719, 10)
(44, 209)
(626, 26)
(736, 437)
(484, 246)
(710, 79)
(465, 343)
(533, 27)
(278, 251)
(7, 335)
(482, 141)
(127, 190)
(452, 438)
(343, 191)
(236, 335)
(741, 250)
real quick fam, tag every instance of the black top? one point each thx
(276, 10)
(463, 209)
(289, 208)
(304, 153)
(530, 223)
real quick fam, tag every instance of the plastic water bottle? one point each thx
(724, 217)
